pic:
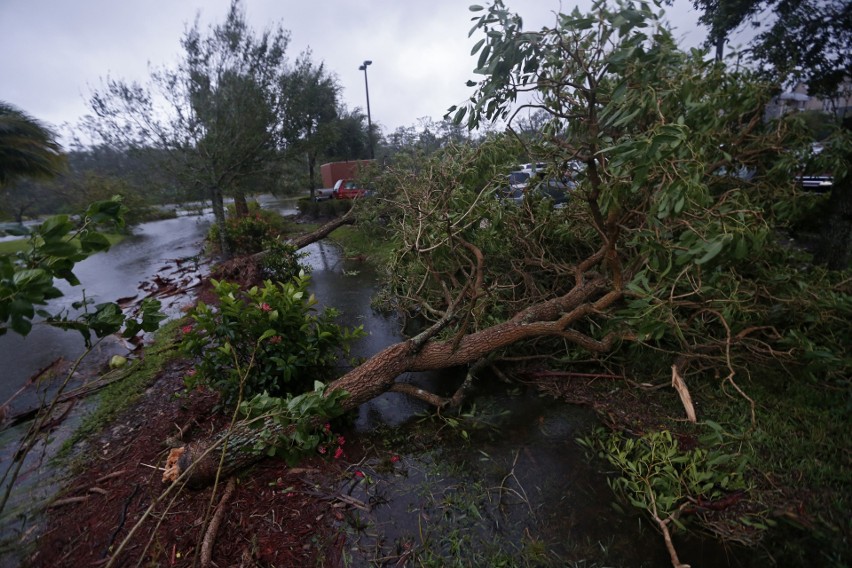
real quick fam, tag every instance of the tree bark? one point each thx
(240, 203)
(218, 204)
(835, 240)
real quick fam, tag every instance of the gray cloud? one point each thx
(52, 52)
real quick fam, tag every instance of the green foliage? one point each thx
(250, 233)
(655, 476)
(265, 339)
(325, 208)
(654, 138)
(281, 263)
(288, 425)
(55, 246)
(27, 147)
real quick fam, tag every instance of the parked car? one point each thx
(811, 179)
(817, 183)
(323, 194)
(556, 190)
(349, 189)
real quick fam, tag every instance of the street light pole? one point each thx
(363, 68)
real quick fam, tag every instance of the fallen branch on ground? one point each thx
(213, 528)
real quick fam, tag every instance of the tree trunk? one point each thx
(378, 374)
(240, 203)
(835, 241)
(218, 203)
(312, 174)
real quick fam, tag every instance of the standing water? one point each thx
(154, 249)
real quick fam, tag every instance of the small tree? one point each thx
(309, 113)
(217, 113)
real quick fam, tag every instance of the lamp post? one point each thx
(363, 68)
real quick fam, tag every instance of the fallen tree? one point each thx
(666, 262)
(421, 353)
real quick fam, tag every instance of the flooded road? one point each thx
(152, 249)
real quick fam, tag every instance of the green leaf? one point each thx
(33, 277)
(55, 227)
(712, 251)
(60, 249)
(93, 241)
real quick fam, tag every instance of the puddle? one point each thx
(514, 490)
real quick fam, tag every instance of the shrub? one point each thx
(281, 263)
(264, 340)
(248, 234)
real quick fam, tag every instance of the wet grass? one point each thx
(358, 242)
(120, 395)
(489, 488)
(801, 458)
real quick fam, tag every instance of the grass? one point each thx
(356, 241)
(799, 461)
(121, 394)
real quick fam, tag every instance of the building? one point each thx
(798, 100)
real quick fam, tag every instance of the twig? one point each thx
(213, 527)
(110, 476)
(685, 398)
(121, 519)
(68, 501)
(357, 503)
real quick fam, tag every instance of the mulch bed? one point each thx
(277, 516)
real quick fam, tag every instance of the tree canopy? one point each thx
(217, 113)
(27, 147)
(805, 40)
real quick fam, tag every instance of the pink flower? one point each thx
(338, 453)
(186, 328)
(275, 339)
(341, 440)
(321, 449)
(359, 474)
(265, 307)
(394, 459)
(327, 427)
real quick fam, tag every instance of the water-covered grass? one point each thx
(358, 242)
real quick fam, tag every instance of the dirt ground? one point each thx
(277, 516)
(117, 505)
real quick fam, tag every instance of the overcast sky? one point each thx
(54, 52)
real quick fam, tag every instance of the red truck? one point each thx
(338, 180)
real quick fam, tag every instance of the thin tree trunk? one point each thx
(240, 203)
(835, 242)
(218, 203)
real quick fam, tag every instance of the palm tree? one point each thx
(27, 147)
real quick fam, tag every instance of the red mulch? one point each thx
(277, 516)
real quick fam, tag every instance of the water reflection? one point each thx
(349, 286)
(152, 249)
